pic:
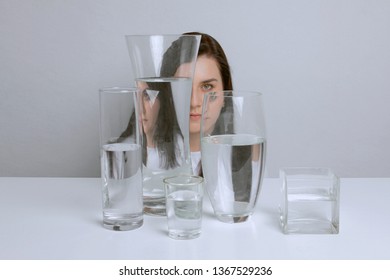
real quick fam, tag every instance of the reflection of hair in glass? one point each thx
(166, 131)
(178, 53)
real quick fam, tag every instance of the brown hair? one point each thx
(211, 48)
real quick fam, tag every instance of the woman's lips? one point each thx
(195, 117)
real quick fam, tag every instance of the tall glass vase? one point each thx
(163, 66)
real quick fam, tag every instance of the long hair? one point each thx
(211, 48)
(167, 130)
(167, 133)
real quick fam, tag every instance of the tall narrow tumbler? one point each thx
(233, 145)
(163, 66)
(121, 160)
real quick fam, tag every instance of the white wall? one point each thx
(323, 67)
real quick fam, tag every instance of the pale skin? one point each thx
(207, 78)
(151, 107)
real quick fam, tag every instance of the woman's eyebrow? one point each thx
(210, 80)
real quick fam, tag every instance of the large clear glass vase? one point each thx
(163, 67)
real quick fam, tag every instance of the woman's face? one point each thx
(207, 78)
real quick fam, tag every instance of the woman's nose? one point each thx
(196, 99)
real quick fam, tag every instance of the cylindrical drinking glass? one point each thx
(121, 160)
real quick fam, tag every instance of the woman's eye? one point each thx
(207, 87)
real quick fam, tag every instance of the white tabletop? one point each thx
(60, 218)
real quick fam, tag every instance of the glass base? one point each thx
(183, 235)
(310, 226)
(232, 219)
(121, 221)
(122, 225)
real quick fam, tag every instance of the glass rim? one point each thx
(305, 170)
(238, 92)
(163, 35)
(169, 180)
(118, 89)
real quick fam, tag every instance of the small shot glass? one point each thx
(310, 201)
(184, 200)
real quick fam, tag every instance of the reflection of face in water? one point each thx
(150, 110)
(160, 127)
(207, 78)
(214, 106)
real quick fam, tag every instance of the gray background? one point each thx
(323, 67)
